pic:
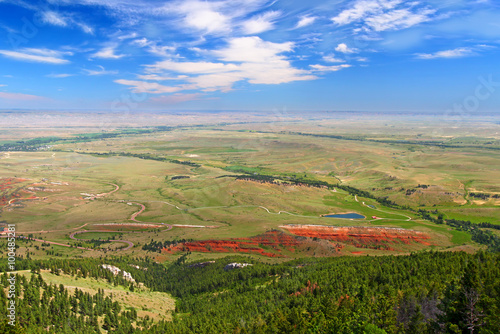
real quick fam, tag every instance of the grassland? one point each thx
(156, 305)
(72, 181)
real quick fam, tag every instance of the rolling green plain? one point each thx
(73, 176)
(177, 197)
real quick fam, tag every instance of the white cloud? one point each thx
(3, 85)
(21, 97)
(203, 16)
(127, 36)
(142, 42)
(191, 67)
(37, 55)
(398, 19)
(381, 15)
(219, 17)
(154, 77)
(253, 49)
(59, 75)
(54, 18)
(362, 9)
(154, 48)
(305, 21)
(100, 71)
(243, 59)
(148, 87)
(260, 23)
(87, 29)
(454, 53)
(334, 68)
(342, 47)
(61, 20)
(108, 53)
(332, 59)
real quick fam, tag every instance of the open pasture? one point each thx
(186, 183)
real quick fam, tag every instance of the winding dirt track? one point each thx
(129, 243)
(133, 217)
(50, 242)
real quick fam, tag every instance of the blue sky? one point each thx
(368, 55)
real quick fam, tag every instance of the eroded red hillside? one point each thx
(267, 244)
(362, 237)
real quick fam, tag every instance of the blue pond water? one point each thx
(351, 215)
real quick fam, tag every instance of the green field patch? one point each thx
(99, 235)
(221, 150)
(157, 305)
(459, 237)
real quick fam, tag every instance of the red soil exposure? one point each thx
(362, 237)
(273, 239)
(6, 183)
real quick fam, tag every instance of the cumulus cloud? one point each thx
(248, 59)
(342, 47)
(202, 16)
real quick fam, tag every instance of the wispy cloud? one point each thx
(399, 19)
(64, 20)
(37, 55)
(454, 53)
(59, 75)
(100, 71)
(305, 21)
(381, 15)
(260, 23)
(21, 97)
(332, 59)
(108, 52)
(222, 17)
(148, 87)
(154, 77)
(334, 68)
(154, 48)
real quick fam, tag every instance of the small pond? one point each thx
(350, 215)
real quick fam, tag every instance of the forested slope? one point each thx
(433, 292)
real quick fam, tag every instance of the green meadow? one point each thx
(199, 180)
